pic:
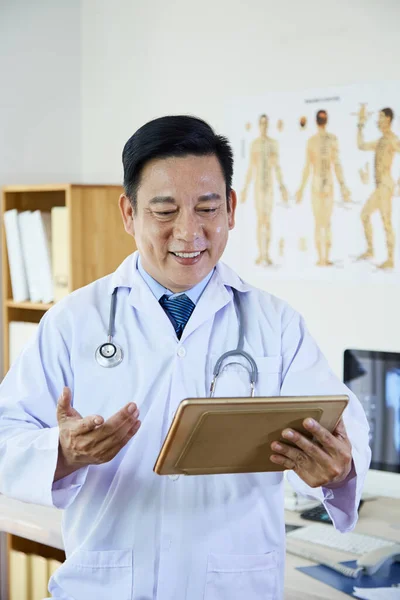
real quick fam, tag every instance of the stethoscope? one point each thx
(110, 354)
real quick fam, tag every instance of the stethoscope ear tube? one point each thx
(238, 352)
(110, 354)
(252, 372)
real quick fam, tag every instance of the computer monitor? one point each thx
(374, 377)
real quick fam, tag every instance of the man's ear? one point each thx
(232, 206)
(127, 213)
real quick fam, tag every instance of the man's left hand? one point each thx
(322, 461)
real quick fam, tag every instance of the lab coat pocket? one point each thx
(95, 576)
(242, 577)
(234, 377)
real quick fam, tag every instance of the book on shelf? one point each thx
(38, 577)
(60, 251)
(41, 227)
(20, 333)
(19, 571)
(29, 575)
(52, 566)
(19, 283)
(38, 254)
(29, 251)
(35, 229)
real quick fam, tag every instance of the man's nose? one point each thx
(187, 227)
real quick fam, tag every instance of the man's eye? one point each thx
(166, 213)
(207, 210)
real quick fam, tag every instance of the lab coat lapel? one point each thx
(214, 297)
(140, 296)
(143, 300)
(217, 294)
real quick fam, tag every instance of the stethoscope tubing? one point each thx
(110, 354)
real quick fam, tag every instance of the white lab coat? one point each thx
(132, 534)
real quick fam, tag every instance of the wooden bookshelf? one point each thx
(97, 240)
(97, 244)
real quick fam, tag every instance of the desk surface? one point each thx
(377, 517)
(32, 522)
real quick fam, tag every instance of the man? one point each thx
(128, 532)
(381, 198)
(322, 155)
(264, 159)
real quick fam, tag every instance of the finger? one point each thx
(284, 462)
(64, 408)
(340, 429)
(116, 447)
(114, 430)
(123, 430)
(309, 447)
(82, 426)
(328, 441)
(133, 430)
(304, 448)
(121, 416)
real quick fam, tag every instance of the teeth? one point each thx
(187, 254)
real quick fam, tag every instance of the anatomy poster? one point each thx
(317, 174)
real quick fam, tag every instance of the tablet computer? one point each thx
(234, 435)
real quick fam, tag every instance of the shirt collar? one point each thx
(159, 290)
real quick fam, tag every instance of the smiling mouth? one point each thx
(188, 254)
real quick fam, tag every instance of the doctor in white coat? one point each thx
(83, 437)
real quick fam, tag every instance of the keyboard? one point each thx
(317, 513)
(326, 535)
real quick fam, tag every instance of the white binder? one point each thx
(19, 283)
(20, 333)
(41, 228)
(60, 251)
(29, 250)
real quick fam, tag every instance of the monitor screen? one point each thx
(374, 377)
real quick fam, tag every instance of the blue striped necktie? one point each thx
(179, 310)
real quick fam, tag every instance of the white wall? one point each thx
(40, 99)
(146, 59)
(40, 92)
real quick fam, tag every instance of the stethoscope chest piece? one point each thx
(109, 355)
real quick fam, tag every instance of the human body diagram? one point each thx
(323, 171)
(322, 159)
(263, 164)
(381, 198)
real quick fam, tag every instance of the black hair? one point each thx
(322, 117)
(173, 136)
(388, 113)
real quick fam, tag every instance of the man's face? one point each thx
(263, 125)
(383, 122)
(182, 221)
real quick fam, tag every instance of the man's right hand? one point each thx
(91, 440)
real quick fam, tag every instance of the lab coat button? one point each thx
(181, 352)
(174, 477)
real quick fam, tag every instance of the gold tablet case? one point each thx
(234, 435)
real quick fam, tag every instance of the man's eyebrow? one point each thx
(171, 200)
(211, 196)
(162, 200)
